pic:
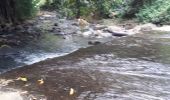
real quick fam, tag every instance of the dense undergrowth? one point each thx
(156, 11)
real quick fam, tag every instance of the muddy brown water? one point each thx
(127, 68)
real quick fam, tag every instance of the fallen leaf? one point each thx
(72, 91)
(24, 79)
(41, 81)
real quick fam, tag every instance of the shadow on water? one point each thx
(128, 68)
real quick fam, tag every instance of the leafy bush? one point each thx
(120, 6)
(128, 8)
(74, 8)
(157, 12)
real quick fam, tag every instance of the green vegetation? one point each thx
(156, 11)
(76, 8)
(28, 8)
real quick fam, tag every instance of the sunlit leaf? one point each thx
(24, 79)
(72, 92)
(41, 82)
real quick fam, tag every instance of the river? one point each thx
(47, 46)
(127, 68)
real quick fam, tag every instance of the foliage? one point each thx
(128, 8)
(144, 10)
(157, 11)
(74, 8)
(27, 8)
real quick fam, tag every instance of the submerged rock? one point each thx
(94, 42)
(55, 24)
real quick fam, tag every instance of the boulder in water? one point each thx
(100, 33)
(94, 42)
(55, 24)
(118, 31)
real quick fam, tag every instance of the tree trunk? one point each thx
(7, 11)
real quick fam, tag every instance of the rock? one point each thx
(75, 24)
(6, 28)
(48, 16)
(55, 30)
(143, 28)
(158, 23)
(61, 33)
(120, 34)
(94, 42)
(3, 26)
(128, 26)
(87, 33)
(99, 27)
(101, 34)
(18, 27)
(26, 27)
(55, 24)
(117, 31)
(114, 29)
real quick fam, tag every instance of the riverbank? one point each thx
(52, 23)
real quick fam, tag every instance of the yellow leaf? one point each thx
(24, 79)
(41, 81)
(72, 91)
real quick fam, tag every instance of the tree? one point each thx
(12, 11)
(7, 11)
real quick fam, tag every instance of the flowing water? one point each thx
(127, 68)
(48, 46)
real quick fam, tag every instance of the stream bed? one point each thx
(128, 68)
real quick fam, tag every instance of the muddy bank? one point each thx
(126, 68)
